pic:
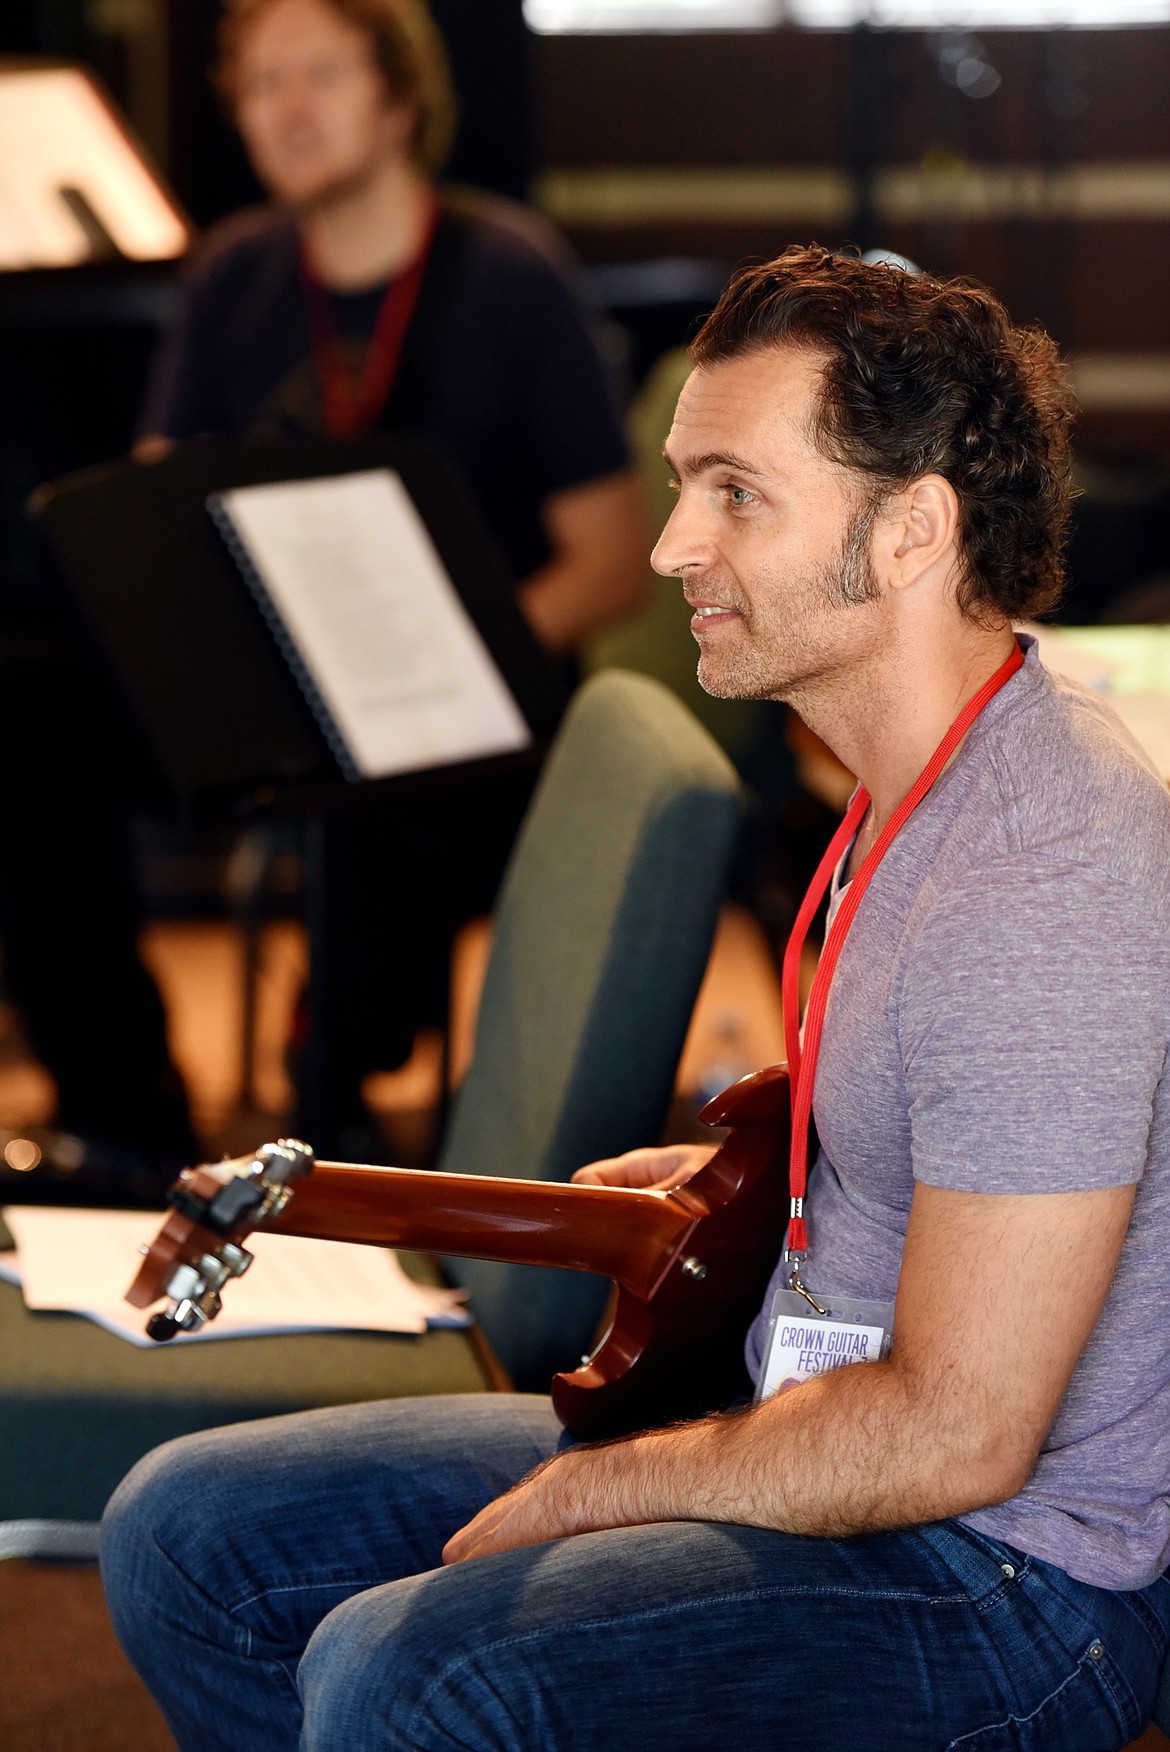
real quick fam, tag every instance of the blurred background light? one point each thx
(550, 17)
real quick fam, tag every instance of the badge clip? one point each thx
(794, 1283)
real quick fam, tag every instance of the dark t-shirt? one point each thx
(500, 363)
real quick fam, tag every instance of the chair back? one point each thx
(603, 930)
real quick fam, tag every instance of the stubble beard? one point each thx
(836, 587)
(328, 189)
(333, 191)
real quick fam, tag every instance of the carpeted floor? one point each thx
(66, 1685)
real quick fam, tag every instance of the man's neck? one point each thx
(885, 725)
(363, 235)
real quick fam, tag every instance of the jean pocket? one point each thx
(982, 1566)
(1093, 1710)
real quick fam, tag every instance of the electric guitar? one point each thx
(689, 1265)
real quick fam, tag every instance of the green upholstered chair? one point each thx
(604, 926)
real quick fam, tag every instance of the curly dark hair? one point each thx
(926, 376)
(406, 46)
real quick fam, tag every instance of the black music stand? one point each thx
(204, 678)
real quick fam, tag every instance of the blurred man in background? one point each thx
(363, 298)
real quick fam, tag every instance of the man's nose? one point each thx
(294, 102)
(683, 542)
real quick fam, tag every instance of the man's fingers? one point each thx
(528, 1514)
(647, 1168)
(470, 1538)
(635, 1168)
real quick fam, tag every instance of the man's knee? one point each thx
(137, 1520)
(154, 1532)
(413, 1666)
(365, 1670)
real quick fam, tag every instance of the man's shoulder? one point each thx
(505, 236)
(1074, 787)
(1068, 741)
(239, 247)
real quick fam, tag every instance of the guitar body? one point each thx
(690, 1266)
(678, 1352)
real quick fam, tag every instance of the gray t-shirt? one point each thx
(999, 1022)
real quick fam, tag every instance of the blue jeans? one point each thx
(276, 1584)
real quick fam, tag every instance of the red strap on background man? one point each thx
(802, 1059)
(352, 404)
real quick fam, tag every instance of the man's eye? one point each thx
(739, 496)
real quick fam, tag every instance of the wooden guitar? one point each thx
(690, 1265)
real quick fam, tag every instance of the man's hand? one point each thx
(533, 1511)
(648, 1169)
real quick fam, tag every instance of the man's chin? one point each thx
(306, 194)
(722, 685)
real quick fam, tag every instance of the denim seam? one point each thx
(652, 1612)
(1149, 1622)
(985, 1602)
(216, 1606)
(248, 1651)
(958, 1598)
(1022, 1721)
(1126, 1705)
(1002, 1586)
(359, 1587)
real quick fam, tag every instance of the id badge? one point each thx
(801, 1343)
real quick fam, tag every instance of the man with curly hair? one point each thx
(959, 1539)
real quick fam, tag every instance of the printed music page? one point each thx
(348, 565)
(82, 1261)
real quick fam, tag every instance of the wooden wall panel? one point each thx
(695, 99)
(754, 97)
(1054, 188)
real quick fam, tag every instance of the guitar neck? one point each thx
(625, 1235)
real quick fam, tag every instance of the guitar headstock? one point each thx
(200, 1246)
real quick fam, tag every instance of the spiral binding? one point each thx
(301, 673)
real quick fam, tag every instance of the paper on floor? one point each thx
(84, 1261)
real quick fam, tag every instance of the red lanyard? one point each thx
(351, 406)
(802, 1061)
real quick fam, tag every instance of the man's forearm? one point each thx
(855, 1451)
(599, 536)
(572, 598)
(997, 1298)
(850, 1452)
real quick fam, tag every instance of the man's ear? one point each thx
(922, 530)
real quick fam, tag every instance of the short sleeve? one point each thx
(571, 405)
(1033, 1025)
(214, 354)
(173, 405)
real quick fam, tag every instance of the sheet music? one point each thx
(353, 574)
(83, 1262)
